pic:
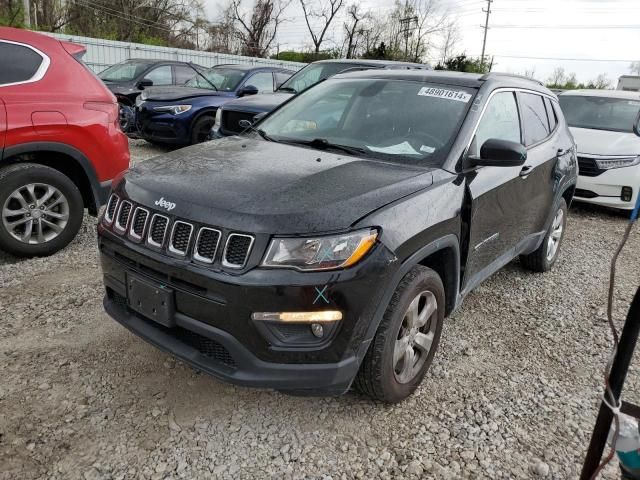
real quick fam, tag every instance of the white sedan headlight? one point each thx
(173, 109)
(320, 253)
(609, 163)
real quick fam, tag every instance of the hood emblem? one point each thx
(162, 203)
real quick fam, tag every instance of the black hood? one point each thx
(258, 103)
(265, 187)
(162, 94)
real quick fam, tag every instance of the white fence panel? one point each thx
(104, 53)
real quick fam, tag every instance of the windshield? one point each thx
(224, 79)
(123, 72)
(397, 120)
(312, 74)
(600, 113)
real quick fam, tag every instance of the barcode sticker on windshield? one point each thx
(633, 103)
(457, 95)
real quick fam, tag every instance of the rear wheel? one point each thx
(543, 259)
(41, 210)
(407, 338)
(202, 129)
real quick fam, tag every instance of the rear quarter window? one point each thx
(19, 63)
(534, 116)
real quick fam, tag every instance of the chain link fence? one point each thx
(104, 53)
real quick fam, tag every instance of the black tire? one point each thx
(201, 129)
(377, 376)
(540, 260)
(21, 174)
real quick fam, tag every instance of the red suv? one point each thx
(60, 142)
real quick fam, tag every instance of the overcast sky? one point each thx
(606, 32)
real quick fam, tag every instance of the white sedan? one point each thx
(605, 126)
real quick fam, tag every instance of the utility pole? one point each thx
(27, 14)
(405, 23)
(486, 28)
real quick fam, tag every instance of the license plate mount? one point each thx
(151, 300)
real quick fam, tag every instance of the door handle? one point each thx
(526, 170)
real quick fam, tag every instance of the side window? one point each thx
(263, 81)
(183, 74)
(551, 115)
(19, 63)
(500, 120)
(534, 116)
(281, 77)
(160, 75)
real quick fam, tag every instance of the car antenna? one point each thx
(198, 72)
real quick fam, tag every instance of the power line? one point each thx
(578, 27)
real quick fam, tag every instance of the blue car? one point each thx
(184, 115)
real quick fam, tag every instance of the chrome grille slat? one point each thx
(206, 245)
(123, 216)
(237, 250)
(180, 237)
(157, 230)
(112, 206)
(138, 223)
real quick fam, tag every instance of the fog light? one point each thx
(627, 193)
(317, 330)
(299, 317)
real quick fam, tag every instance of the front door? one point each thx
(496, 195)
(3, 126)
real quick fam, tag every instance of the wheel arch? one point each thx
(67, 160)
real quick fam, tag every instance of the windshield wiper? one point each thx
(205, 78)
(324, 144)
(287, 89)
(263, 134)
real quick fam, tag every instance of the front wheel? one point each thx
(407, 338)
(41, 210)
(543, 259)
(202, 129)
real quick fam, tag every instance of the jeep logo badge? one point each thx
(162, 203)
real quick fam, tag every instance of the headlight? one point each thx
(143, 95)
(218, 118)
(609, 163)
(173, 109)
(320, 253)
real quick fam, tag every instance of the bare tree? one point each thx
(601, 82)
(558, 77)
(352, 31)
(258, 32)
(634, 68)
(450, 39)
(323, 12)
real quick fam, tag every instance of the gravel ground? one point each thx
(512, 394)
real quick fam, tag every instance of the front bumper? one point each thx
(214, 331)
(161, 126)
(606, 189)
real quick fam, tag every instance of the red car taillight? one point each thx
(111, 109)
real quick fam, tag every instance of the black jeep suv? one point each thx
(327, 246)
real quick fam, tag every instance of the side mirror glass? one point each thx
(145, 82)
(500, 153)
(248, 90)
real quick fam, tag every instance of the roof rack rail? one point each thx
(489, 75)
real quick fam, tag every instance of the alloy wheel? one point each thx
(415, 337)
(556, 235)
(35, 213)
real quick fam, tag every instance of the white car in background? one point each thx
(605, 126)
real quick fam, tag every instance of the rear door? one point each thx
(544, 143)
(496, 193)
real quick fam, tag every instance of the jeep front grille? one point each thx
(207, 245)
(157, 230)
(111, 208)
(123, 216)
(180, 237)
(236, 252)
(140, 217)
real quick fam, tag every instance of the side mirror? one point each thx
(145, 82)
(500, 153)
(248, 90)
